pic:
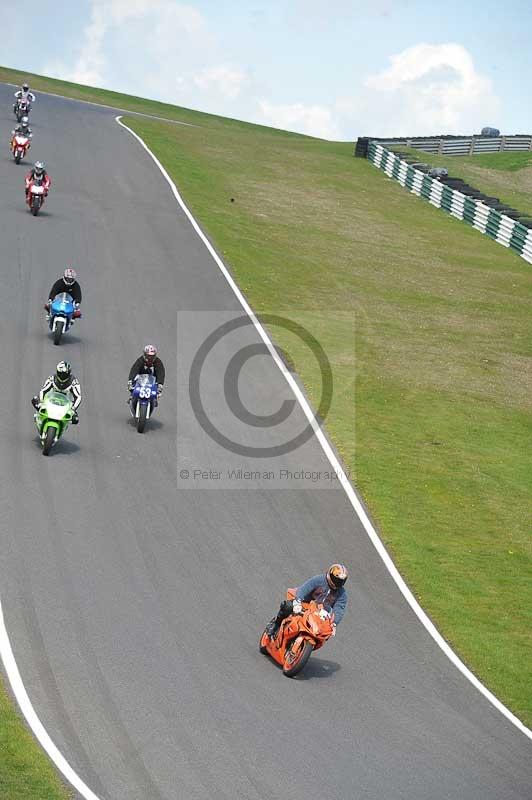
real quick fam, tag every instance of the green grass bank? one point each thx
(25, 771)
(433, 405)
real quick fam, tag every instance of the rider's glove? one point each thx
(47, 305)
(159, 390)
(35, 402)
(334, 629)
(75, 419)
(130, 385)
(297, 608)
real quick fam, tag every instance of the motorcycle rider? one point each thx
(38, 172)
(327, 588)
(22, 129)
(63, 381)
(69, 284)
(148, 363)
(24, 94)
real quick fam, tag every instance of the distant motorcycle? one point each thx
(143, 400)
(36, 195)
(298, 636)
(21, 109)
(20, 144)
(52, 418)
(62, 313)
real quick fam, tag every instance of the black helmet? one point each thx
(336, 575)
(63, 374)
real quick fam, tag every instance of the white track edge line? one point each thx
(112, 108)
(39, 731)
(349, 490)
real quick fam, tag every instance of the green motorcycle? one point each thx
(52, 418)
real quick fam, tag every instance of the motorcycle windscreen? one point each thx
(63, 304)
(57, 405)
(145, 380)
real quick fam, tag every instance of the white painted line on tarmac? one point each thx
(39, 731)
(351, 494)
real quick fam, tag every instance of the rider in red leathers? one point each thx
(40, 173)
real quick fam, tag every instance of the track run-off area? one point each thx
(134, 604)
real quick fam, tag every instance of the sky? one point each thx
(336, 69)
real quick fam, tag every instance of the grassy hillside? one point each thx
(433, 409)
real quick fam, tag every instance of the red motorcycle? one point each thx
(20, 145)
(298, 636)
(36, 194)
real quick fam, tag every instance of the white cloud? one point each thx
(159, 38)
(226, 79)
(427, 89)
(314, 120)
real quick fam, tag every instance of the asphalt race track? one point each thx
(134, 599)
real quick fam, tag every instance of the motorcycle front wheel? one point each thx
(58, 332)
(296, 656)
(141, 422)
(262, 642)
(48, 441)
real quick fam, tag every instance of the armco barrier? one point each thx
(483, 217)
(455, 145)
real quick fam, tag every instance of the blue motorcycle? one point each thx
(62, 313)
(143, 400)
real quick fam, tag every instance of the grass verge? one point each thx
(440, 387)
(25, 771)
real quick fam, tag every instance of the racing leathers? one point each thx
(22, 130)
(46, 181)
(72, 390)
(28, 96)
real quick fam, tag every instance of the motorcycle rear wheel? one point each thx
(48, 441)
(296, 657)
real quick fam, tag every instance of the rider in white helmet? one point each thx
(24, 93)
(148, 363)
(69, 284)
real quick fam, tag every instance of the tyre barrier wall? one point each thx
(462, 145)
(465, 206)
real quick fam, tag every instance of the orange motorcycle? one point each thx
(298, 636)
